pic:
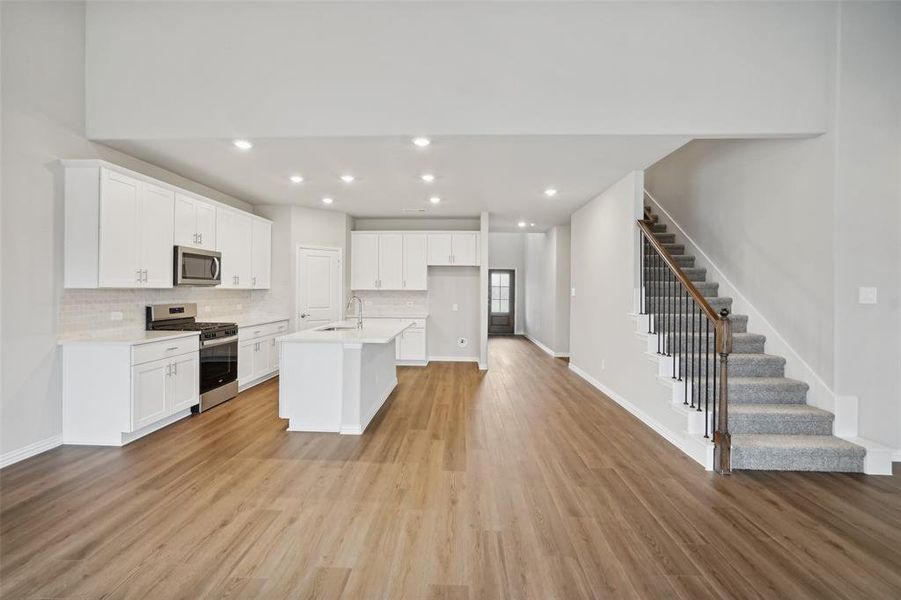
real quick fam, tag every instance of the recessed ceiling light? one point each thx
(347, 178)
(296, 179)
(242, 144)
(427, 177)
(327, 200)
(521, 224)
(422, 142)
(550, 192)
(434, 199)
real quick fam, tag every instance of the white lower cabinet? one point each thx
(258, 352)
(115, 392)
(412, 344)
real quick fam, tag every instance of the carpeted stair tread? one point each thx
(653, 275)
(740, 365)
(766, 390)
(666, 289)
(666, 238)
(742, 343)
(673, 321)
(772, 452)
(781, 419)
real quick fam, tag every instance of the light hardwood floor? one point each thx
(523, 482)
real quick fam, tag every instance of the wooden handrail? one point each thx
(678, 272)
(723, 339)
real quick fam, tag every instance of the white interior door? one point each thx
(319, 273)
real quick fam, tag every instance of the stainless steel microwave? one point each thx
(194, 266)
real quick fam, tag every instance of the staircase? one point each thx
(771, 425)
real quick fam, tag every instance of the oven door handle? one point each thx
(219, 342)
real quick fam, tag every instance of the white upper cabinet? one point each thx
(195, 222)
(415, 261)
(135, 233)
(364, 263)
(457, 249)
(391, 261)
(261, 261)
(120, 246)
(440, 249)
(121, 226)
(465, 249)
(155, 225)
(234, 233)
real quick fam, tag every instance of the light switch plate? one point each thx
(572, 292)
(455, 307)
(866, 295)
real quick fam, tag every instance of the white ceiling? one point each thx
(504, 175)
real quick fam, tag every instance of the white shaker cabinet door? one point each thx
(149, 383)
(415, 261)
(205, 223)
(120, 244)
(364, 264)
(466, 249)
(184, 382)
(185, 230)
(156, 227)
(391, 261)
(440, 249)
(262, 254)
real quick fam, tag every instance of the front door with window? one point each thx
(501, 309)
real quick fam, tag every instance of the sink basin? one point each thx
(337, 328)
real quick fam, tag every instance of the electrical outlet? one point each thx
(572, 292)
(455, 307)
(866, 295)
(115, 316)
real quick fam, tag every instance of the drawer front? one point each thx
(143, 353)
(258, 331)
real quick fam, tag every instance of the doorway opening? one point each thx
(501, 301)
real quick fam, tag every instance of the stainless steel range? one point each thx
(218, 350)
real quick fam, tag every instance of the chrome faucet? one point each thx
(359, 312)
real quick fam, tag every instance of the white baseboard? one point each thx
(257, 381)
(474, 359)
(547, 350)
(878, 460)
(699, 451)
(20, 454)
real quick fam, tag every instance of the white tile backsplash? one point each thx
(97, 312)
(392, 304)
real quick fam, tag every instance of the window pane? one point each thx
(495, 279)
(505, 293)
(504, 279)
(505, 306)
(495, 306)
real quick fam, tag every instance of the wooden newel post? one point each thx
(722, 449)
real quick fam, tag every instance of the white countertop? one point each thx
(249, 320)
(409, 315)
(132, 338)
(371, 333)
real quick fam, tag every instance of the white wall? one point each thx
(507, 251)
(760, 210)
(43, 121)
(867, 213)
(581, 67)
(547, 314)
(799, 225)
(295, 226)
(415, 224)
(449, 286)
(603, 343)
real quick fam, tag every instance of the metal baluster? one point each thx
(706, 367)
(694, 358)
(698, 357)
(680, 348)
(707, 413)
(659, 300)
(642, 292)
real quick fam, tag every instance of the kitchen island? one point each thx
(337, 377)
